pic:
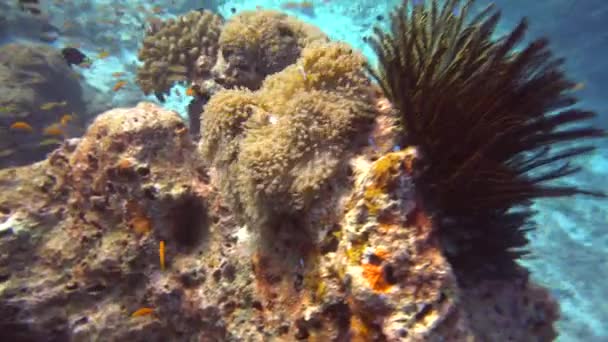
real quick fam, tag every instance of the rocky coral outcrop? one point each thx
(32, 75)
(99, 208)
(80, 235)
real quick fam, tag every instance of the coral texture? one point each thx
(276, 148)
(374, 270)
(178, 50)
(32, 75)
(94, 213)
(255, 44)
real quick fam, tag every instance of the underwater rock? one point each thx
(38, 88)
(80, 256)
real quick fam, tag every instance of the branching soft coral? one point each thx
(488, 119)
(172, 52)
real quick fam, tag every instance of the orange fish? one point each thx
(190, 91)
(161, 253)
(142, 312)
(297, 5)
(578, 86)
(119, 85)
(103, 54)
(118, 74)
(53, 130)
(22, 126)
(65, 119)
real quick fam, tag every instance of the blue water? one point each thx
(569, 248)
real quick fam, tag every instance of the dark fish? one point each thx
(73, 56)
(160, 97)
(49, 33)
(30, 6)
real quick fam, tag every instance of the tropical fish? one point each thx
(53, 130)
(578, 86)
(30, 6)
(8, 109)
(118, 74)
(190, 91)
(176, 78)
(142, 312)
(65, 119)
(297, 5)
(178, 69)
(73, 56)
(119, 85)
(51, 105)
(22, 126)
(103, 54)
(7, 152)
(161, 254)
(50, 141)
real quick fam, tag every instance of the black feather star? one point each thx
(489, 120)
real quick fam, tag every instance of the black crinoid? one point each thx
(490, 121)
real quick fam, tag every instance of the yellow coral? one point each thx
(225, 114)
(255, 44)
(294, 135)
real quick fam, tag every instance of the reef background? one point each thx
(571, 256)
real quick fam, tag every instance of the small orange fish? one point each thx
(22, 126)
(161, 253)
(53, 130)
(142, 312)
(297, 5)
(103, 54)
(119, 85)
(118, 74)
(190, 91)
(578, 86)
(65, 119)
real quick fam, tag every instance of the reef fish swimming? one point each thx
(73, 56)
(161, 254)
(30, 6)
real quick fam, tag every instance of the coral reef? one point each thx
(75, 268)
(32, 75)
(178, 50)
(255, 44)
(297, 216)
(99, 207)
(276, 148)
(484, 117)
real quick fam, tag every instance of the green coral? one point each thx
(281, 144)
(171, 53)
